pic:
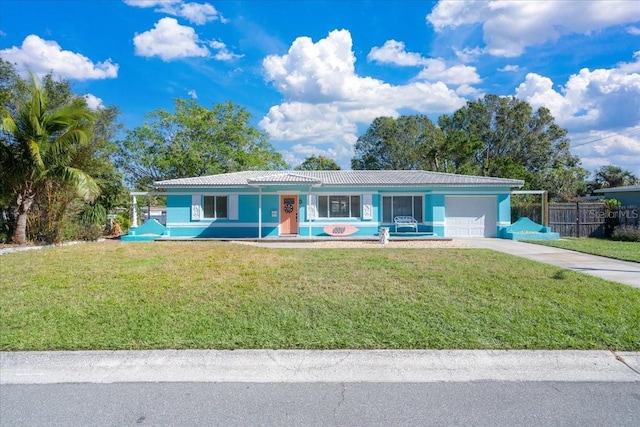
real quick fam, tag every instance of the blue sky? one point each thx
(314, 74)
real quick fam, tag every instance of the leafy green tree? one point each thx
(406, 143)
(194, 141)
(459, 148)
(12, 88)
(318, 163)
(613, 176)
(509, 139)
(38, 148)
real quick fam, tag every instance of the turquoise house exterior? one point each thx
(273, 204)
(627, 196)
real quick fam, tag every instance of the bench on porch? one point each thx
(406, 222)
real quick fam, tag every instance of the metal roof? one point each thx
(631, 188)
(366, 178)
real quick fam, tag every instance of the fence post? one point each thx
(545, 208)
(578, 219)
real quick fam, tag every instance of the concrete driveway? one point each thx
(624, 272)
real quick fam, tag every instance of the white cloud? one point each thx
(193, 94)
(592, 104)
(635, 31)
(469, 92)
(298, 153)
(43, 56)
(196, 13)
(456, 13)
(150, 3)
(622, 149)
(326, 100)
(509, 68)
(223, 53)
(93, 102)
(435, 69)
(393, 52)
(509, 27)
(169, 40)
(468, 54)
(598, 99)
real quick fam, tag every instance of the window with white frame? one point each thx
(339, 206)
(393, 206)
(215, 207)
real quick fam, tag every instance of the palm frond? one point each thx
(85, 186)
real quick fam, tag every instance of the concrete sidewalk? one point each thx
(624, 272)
(297, 366)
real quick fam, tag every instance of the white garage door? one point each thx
(470, 216)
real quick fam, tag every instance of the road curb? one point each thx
(259, 366)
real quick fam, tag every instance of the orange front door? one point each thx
(288, 214)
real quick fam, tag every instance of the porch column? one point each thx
(309, 218)
(259, 212)
(134, 214)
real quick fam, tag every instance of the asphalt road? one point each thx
(487, 403)
(323, 388)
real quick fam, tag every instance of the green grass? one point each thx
(227, 296)
(625, 251)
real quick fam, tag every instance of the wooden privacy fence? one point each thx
(582, 219)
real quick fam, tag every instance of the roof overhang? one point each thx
(627, 189)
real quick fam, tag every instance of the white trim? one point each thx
(196, 207)
(529, 192)
(325, 223)
(312, 207)
(217, 224)
(470, 193)
(260, 213)
(354, 192)
(404, 193)
(148, 193)
(367, 206)
(232, 207)
(221, 193)
(434, 223)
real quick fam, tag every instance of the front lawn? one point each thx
(625, 251)
(229, 296)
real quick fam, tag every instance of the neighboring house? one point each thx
(628, 196)
(257, 204)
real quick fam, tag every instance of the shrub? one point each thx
(611, 222)
(91, 232)
(626, 233)
(123, 221)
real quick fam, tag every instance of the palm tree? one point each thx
(37, 147)
(609, 176)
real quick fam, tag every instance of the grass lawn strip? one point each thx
(227, 296)
(624, 251)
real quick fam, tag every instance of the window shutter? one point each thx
(367, 206)
(196, 208)
(312, 211)
(233, 207)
